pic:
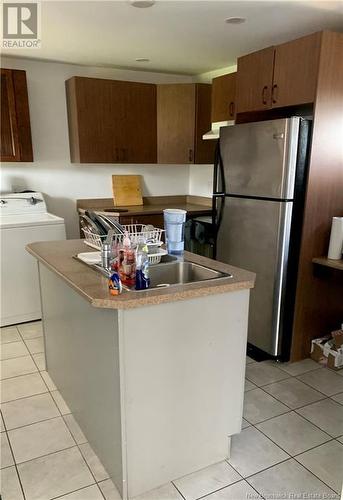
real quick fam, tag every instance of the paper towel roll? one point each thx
(336, 239)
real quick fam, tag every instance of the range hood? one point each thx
(215, 127)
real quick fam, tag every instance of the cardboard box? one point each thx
(325, 352)
(317, 349)
(337, 336)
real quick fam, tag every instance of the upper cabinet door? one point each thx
(140, 123)
(254, 81)
(175, 123)
(111, 121)
(203, 150)
(224, 97)
(183, 116)
(295, 71)
(16, 142)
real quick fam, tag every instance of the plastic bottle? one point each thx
(127, 262)
(142, 266)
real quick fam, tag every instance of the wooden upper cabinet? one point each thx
(254, 81)
(224, 97)
(16, 144)
(295, 71)
(175, 123)
(111, 121)
(183, 116)
(276, 77)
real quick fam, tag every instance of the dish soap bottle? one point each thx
(127, 262)
(142, 266)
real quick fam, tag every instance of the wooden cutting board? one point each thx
(127, 190)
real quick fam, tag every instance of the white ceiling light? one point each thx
(142, 4)
(235, 20)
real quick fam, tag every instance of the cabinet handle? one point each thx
(264, 98)
(232, 108)
(116, 155)
(190, 155)
(274, 93)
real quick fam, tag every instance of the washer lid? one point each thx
(22, 203)
(24, 220)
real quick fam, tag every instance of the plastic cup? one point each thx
(174, 225)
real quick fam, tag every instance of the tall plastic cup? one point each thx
(174, 225)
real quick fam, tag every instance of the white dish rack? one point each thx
(152, 235)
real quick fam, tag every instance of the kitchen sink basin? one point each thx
(172, 272)
(181, 273)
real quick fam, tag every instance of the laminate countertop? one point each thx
(194, 205)
(58, 256)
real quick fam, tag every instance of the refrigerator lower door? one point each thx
(254, 235)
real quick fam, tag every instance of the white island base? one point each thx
(157, 390)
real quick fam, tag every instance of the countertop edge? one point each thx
(175, 297)
(58, 273)
(140, 299)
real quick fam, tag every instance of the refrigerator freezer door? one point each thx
(254, 235)
(260, 158)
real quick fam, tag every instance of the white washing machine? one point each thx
(23, 219)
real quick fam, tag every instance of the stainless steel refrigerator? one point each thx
(258, 199)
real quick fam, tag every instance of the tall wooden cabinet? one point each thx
(276, 77)
(16, 143)
(224, 97)
(279, 81)
(183, 116)
(111, 121)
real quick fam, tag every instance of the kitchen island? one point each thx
(155, 379)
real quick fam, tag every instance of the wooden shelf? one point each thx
(324, 261)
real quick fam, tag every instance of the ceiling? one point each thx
(178, 36)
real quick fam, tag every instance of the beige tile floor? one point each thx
(291, 442)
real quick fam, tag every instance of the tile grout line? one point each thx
(311, 387)
(292, 410)
(263, 470)
(313, 474)
(76, 444)
(16, 468)
(298, 407)
(46, 455)
(300, 453)
(49, 391)
(23, 397)
(79, 489)
(332, 438)
(297, 377)
(90, 470)
(37, 422)
(177, 489)
(295, 409)
(16, 357)
(22, 375)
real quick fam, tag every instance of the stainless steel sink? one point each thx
(172, 272)
(181, 273)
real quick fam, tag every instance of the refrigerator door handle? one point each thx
(219, 187)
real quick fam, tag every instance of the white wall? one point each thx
(201, 180)
(52, 173)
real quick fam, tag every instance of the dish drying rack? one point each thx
(152, 236)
